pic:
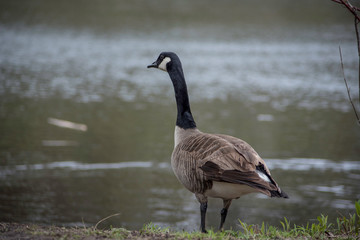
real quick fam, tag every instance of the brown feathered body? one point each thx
(215, 165)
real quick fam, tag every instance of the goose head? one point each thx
(165, 61)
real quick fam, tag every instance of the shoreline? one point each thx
(14, 231)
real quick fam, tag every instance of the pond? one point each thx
(87, 130)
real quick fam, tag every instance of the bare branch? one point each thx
(349, 6)
(358, 46)
(347, 87)
(354, 10)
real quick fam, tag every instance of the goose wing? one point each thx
(232, 160)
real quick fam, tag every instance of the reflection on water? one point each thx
(283, 164)
(86, 131)
(59, 143)
(77, 66)
(299, 164)
(67, 124)
(76, 166)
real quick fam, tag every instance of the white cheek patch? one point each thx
(162, 65)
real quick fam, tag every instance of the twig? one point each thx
(349, 6)
(113, 215)
(347, 87)
(354, 10)
(358, 45)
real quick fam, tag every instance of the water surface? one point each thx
(87, 131)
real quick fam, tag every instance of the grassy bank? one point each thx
(345, 227)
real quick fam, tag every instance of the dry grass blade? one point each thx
(106, 218)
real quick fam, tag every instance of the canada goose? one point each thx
(212, 165)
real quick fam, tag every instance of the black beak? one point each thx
(153, 65)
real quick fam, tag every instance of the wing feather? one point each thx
(224, 158)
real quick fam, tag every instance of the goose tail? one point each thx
(279, 194)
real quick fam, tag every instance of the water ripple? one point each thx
(306, 164)
(292, 164)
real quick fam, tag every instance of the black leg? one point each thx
(224, 212)
(223, 217)
(203, 207)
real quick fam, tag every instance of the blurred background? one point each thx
(86, 130)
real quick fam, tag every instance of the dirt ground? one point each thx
(32, 231)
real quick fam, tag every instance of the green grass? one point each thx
(344, 228)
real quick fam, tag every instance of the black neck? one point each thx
(184, 119)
